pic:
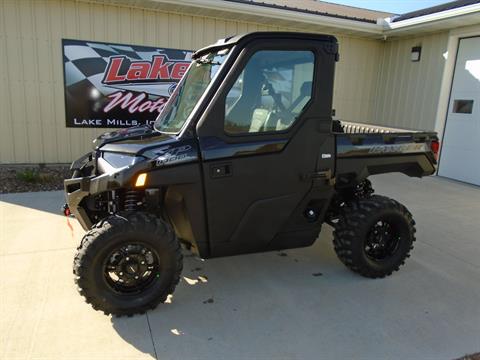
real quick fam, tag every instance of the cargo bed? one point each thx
(372, 149)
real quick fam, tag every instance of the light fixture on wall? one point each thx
(416, 52)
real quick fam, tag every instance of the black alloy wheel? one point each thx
(382, 241)
(131, 268)
(128, 263)
(374, 236)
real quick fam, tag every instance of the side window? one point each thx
(270, 92)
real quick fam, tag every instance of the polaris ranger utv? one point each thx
(245, 157)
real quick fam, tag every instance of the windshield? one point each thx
(189, 91)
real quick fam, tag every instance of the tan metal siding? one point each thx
(32, 113)
(408, 92)
(356, 79)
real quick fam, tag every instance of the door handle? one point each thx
(220, 170)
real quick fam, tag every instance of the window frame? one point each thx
(213, 82)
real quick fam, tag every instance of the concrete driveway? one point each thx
(301, 304)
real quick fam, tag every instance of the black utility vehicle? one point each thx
(244, 158)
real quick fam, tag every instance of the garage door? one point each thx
(460, 157)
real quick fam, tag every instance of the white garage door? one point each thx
(460, 157)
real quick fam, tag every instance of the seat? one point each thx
(259, 120)
(305, 91)
(291, 113)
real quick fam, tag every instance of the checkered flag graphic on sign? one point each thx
(85, 63)
(92, 101)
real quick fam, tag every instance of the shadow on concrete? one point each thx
(136, 331)
(48, 201)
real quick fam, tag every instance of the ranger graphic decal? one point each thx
(396, 148)
(174, 155)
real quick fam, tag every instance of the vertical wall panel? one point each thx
(174, 30)
(7, 148)
(162, 27)
(59, 133)
(408, 91)
(32, 109)
(356, 79)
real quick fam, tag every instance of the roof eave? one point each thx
(314, 22)
(359, 28)
(434, 22)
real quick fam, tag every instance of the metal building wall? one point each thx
(356, 79)
(408, 92)
(32, 113)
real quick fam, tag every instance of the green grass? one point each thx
(29, 175)
(34, 176)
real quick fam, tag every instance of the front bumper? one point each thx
(78, 188)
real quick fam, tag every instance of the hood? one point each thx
(134, 140)
(135, 132)
(146, 143)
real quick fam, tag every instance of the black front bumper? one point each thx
(78, 188)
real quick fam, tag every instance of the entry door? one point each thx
(460, 156)
(260, 145)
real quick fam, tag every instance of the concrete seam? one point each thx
(151, 336)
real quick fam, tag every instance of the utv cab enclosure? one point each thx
(245, 157)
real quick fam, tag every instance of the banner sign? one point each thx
(112, 85)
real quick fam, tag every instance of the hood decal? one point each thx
(170, 155)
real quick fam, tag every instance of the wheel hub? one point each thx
(382, 241)
(131, 268)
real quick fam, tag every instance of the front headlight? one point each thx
(110, 161)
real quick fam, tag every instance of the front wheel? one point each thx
(128, 263)
(374, 236)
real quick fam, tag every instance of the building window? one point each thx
(462, 106)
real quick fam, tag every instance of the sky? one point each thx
(393, 6)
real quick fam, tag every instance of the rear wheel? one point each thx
(374, 236)
(128, 263)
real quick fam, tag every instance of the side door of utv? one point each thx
(261, 139)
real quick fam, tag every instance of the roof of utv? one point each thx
(233, 40)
